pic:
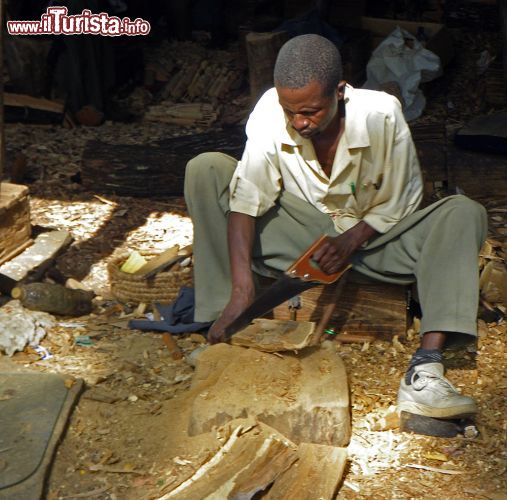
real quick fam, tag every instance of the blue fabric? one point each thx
(177, 317)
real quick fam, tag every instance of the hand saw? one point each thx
(302, 275)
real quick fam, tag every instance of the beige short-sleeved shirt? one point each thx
(375, 175)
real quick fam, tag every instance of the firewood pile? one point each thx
(195, 83)
(200, 114)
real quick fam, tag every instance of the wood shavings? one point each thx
(435, 469)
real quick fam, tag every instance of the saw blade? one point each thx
(281, 290)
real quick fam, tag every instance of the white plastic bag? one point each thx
(20, 327)
(402, 59)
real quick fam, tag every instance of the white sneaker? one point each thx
(432, 395)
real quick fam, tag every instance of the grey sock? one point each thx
(421, 357)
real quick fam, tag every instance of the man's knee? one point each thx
(202, 166)
(467, 214)
(468, 209)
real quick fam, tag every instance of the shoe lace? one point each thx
(422, 378)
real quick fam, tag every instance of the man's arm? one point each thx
(240, 236)
(335, 254)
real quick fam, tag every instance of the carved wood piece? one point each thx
(271, 335)
(303, 396)
(316, 474)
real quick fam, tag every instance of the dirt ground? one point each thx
(127, 435)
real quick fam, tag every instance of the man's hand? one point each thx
(335, 253)
(240, 236)
(240, 300)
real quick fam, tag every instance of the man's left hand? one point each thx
(335, 253)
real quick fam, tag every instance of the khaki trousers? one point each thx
(437, 247)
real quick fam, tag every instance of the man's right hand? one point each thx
(240, 236)
(240, 300)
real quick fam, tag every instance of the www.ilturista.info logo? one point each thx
(56, 21)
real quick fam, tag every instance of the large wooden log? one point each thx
(262, 49)
(369, 310)
(154, 170)
(303, 396)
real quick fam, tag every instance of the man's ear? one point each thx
(340, 90)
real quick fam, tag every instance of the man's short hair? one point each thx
(306, 58)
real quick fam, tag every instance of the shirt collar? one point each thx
(355, 126)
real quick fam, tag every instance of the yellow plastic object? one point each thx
(133, 263)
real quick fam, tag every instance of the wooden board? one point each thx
(316, 474)
(304, 396)
(35, 260)
(155, 171)
(15, 228)
(27, 101)
(253, 456)
(164, 260)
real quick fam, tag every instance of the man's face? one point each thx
(309, 111)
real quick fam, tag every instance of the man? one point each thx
(324, 158)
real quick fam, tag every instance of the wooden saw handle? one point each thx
(303, 268)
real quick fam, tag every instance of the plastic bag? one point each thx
(401, 58)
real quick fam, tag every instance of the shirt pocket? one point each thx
(366, 190)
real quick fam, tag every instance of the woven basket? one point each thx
(163, 287)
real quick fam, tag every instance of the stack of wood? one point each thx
(189, 114)
(192, 74)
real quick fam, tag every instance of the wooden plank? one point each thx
(303, 396)
(164, 260)
(36, 259)
(316, 474)
(253, 456)
(27, 101)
